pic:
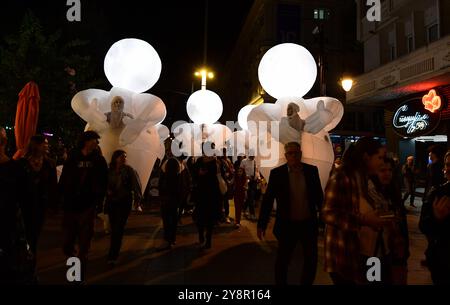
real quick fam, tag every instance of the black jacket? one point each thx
(83, 182)
(278, 188)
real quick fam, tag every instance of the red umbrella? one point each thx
(26, 117)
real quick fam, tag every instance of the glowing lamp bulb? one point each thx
(132, 64)
(287, 69)
(347, 84)
(204, 107)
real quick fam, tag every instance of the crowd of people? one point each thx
(361, 210)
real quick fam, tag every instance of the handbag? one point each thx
(222, 184)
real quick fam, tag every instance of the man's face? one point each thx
(293, 155)
(410, 161)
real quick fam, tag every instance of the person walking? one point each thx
(353, 218)
(207, 209)
(16, 259)
(297, 189)
(39, 187)
(409, 178)
(252, 172)
(170, 185)
(83, 187)
(240, 193)
(123, 189)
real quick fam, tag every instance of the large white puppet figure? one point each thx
(204, 107)
(287, 72)
(124, 117)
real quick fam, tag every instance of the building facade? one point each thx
(406, 56)
(327, 29)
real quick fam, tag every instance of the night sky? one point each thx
(174, 28)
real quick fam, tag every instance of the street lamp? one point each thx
(204, 73)
(347, 84)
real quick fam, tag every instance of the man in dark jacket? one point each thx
(83, 187)
(297, 189)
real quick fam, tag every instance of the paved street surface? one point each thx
(236, 258)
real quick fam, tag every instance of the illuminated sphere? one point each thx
(287, 69)
(243, 114)
(132, 64)
(204, 107)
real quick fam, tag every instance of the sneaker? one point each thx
(139, 209)
(237, 226)
(227, 220)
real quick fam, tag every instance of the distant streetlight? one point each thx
(204, 73)
(347, 84)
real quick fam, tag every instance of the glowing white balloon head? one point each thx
(287, 69)
(132, 64)
(243, 114)
(204, 107)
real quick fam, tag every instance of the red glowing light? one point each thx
(432, 101)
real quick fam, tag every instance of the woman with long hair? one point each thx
(123, 188)
(387, 190)
(352, 217)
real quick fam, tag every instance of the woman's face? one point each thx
(374, 162)
(117, 105)
(385, 174)
(121, 160)
(447, 168)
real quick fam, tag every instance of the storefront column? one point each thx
(392, 139)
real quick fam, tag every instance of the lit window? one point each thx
(316, 14)
(321, 14)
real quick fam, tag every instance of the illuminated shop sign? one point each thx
(432, 101)
(411, 119)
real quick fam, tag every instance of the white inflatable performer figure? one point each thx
(287, 72)
(124, 117)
